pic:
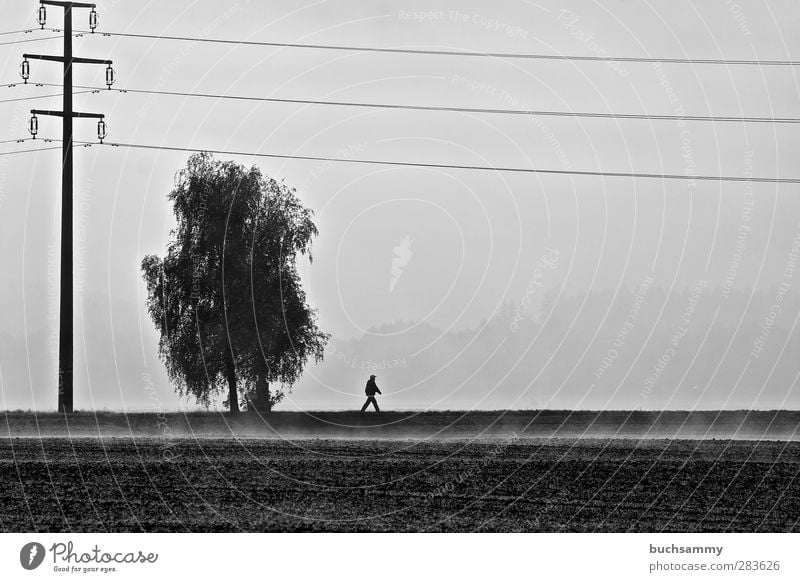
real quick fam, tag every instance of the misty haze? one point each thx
(556, 248)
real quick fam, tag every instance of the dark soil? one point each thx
(500, 484)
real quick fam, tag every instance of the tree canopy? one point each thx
(227, 298)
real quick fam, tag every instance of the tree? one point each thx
(227, 299)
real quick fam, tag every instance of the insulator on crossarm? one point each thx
(41, 15)
(33, 126)
(25, 70)
(110, 76)
(102, 130)
(93, 19)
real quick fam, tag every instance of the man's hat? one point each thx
(372, 376)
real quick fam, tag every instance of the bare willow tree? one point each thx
(227, 298)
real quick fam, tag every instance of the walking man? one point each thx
(370, 391)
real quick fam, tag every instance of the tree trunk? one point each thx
(233, 395)
(262, 395)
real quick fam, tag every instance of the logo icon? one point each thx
(402, 256)
(31, 555)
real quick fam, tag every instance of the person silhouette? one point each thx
(370, 391)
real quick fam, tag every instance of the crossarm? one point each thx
(67, 4)
(74, 59)
(61, 113)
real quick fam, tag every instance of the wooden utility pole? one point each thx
(65, 345)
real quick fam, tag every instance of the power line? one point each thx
(18, 31)
(31, 97)
(41, 96)
(460, 167)
(709, 118)
(754, 179)
(24, 139)
(11, 153)
(24, 84)
(41, 38)
(16, 140)
(457, 53)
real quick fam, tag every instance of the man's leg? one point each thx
(375, 404)
(363, 408)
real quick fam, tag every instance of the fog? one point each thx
(458, 288)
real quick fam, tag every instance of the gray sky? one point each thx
(473, 240)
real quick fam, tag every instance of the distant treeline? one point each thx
(642, 347)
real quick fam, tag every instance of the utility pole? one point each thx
(65, 345)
